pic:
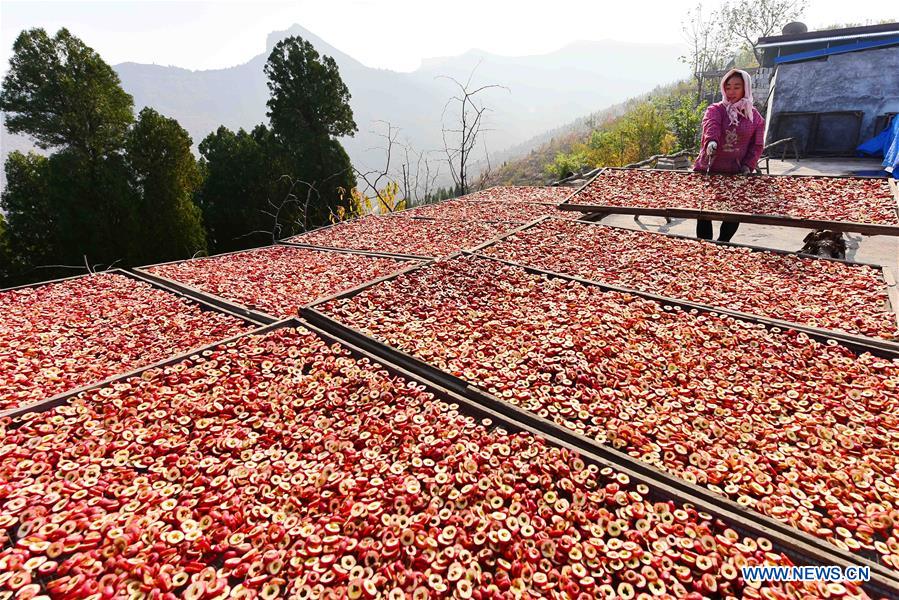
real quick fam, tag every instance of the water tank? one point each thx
(794, 28)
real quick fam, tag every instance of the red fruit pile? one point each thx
(478, 210)
(823, 198)
(59, 336)
(521, 193)
(278, 280)
(803, 431)
(280, 466)
(399, 235)
(819, 293)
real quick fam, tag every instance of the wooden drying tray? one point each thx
(781, 220)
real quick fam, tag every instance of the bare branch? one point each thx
(76, 267)
(708, 44)
(470, 121)
(381, 179)
(748, 22)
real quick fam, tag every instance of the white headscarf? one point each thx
(743, 106)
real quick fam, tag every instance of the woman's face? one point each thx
(733, 88)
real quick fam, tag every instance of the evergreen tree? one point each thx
(243, 183)
(308, 107)
(280, 180)
(65, 208)
(111, 193)
(6, 267)
(166, 176)
(308, 97)
(31, 228)
(60, 92)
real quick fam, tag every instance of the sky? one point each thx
(388, 34)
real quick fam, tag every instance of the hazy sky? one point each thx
(390, 34)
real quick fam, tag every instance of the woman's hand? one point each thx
(711, 148)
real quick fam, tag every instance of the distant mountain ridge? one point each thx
(544, 91)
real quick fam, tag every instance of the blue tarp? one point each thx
(841, 49)
(891, 152)
(885, 144)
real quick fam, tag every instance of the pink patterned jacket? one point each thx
(737, 146)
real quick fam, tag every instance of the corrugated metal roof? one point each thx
(842, 49)
(829, 35)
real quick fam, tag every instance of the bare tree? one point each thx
(420, 175)
(90, 269)
(414, 174)
(378, 179)
(466, 129)
(275, 209)
(301, 194)
(708, 44)
(748, 21)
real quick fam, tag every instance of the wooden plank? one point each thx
(578, 190)
(509, 233)
(367, 284)
(63, 397)
(892, 292)
(760, 219)
(358, 252)
(894, 187)
(198, 294)
(783, 221)
(888, 276)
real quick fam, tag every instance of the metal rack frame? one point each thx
(205, 305)
(696, 213)
(230, 305)
(160, 285)
(889, 281)
(288, 242)
(514, 420)
(312, 314)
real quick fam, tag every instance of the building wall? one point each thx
(761, 86)
(866, 81)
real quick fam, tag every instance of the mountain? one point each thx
(540, 92)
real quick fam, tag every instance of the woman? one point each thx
(733, 134)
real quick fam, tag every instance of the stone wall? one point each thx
(761, 85)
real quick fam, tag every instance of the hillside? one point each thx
(525, 163)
